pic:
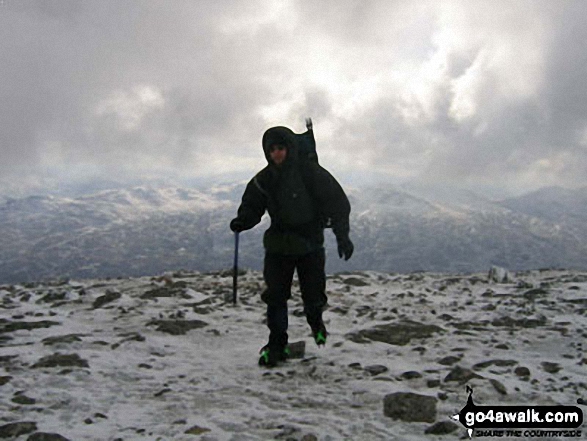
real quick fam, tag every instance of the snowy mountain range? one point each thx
(148, 230)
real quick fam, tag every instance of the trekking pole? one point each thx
(235, 268)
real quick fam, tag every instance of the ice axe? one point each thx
(235, 268)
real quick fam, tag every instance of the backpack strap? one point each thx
(263, 192)
(309, 182)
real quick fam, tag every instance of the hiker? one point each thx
(301, 198)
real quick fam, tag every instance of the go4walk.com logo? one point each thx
(520, 421)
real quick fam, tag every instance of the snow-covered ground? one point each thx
(172, 358)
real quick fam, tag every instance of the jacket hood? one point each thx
(280, 135)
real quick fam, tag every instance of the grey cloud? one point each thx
(62, 62)
(64, 58)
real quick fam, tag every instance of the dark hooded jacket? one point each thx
(300, 196)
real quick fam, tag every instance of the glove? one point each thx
(345, 248)
(237, 225)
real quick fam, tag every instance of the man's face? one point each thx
(278, 153)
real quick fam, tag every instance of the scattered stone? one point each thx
(162, 392)
(499, 387)
(14, 430)
(5, 379)
(297, 349)
(551, 368)
(177, 327)
(376, 369)
(197, 430)
(28, 326)
(52, 297)
(109, 297)
(442, 428)
(174, 290)
(534, 293)
(309, 437)
(399, 333)
(500, 363)
(522, 371)
(446, 317)
(449, 360)
(410, 375)
(132, 336)
(61, 339)
(410, 407)
(433, 383)
(41, 436)
(498, 274)
(509, 322)
(461, 375)
(61, 360)
(23, 400)
(355, 281)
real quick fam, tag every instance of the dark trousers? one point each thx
(278, 273)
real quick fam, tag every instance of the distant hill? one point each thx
(148, 230)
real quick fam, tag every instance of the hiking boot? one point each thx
(270, 357)
(319, 332)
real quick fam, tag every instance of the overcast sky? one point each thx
(480, 92)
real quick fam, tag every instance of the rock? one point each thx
(66, 339)
(5, 379)
(534, 293)
(498, 274)
(442, 428)
(461, 375)
(165, 291)
(177, 327)
(355, 281)
(109, 297)
(14, 430)
(551, 368)
(376, 369)
(309, 437)
(162, 392)
(410, 407)
(28, 326)
(23, 400)
(522, 371)
(520, 323)
(297, 349)
(410, 375)
(197, 430)
(399, 333)
(52, 297)
(488, 363)
(449, 360)
(42, 436)
(499, 387)
(61, 360)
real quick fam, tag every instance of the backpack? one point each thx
(307, 152)
(306, 143)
